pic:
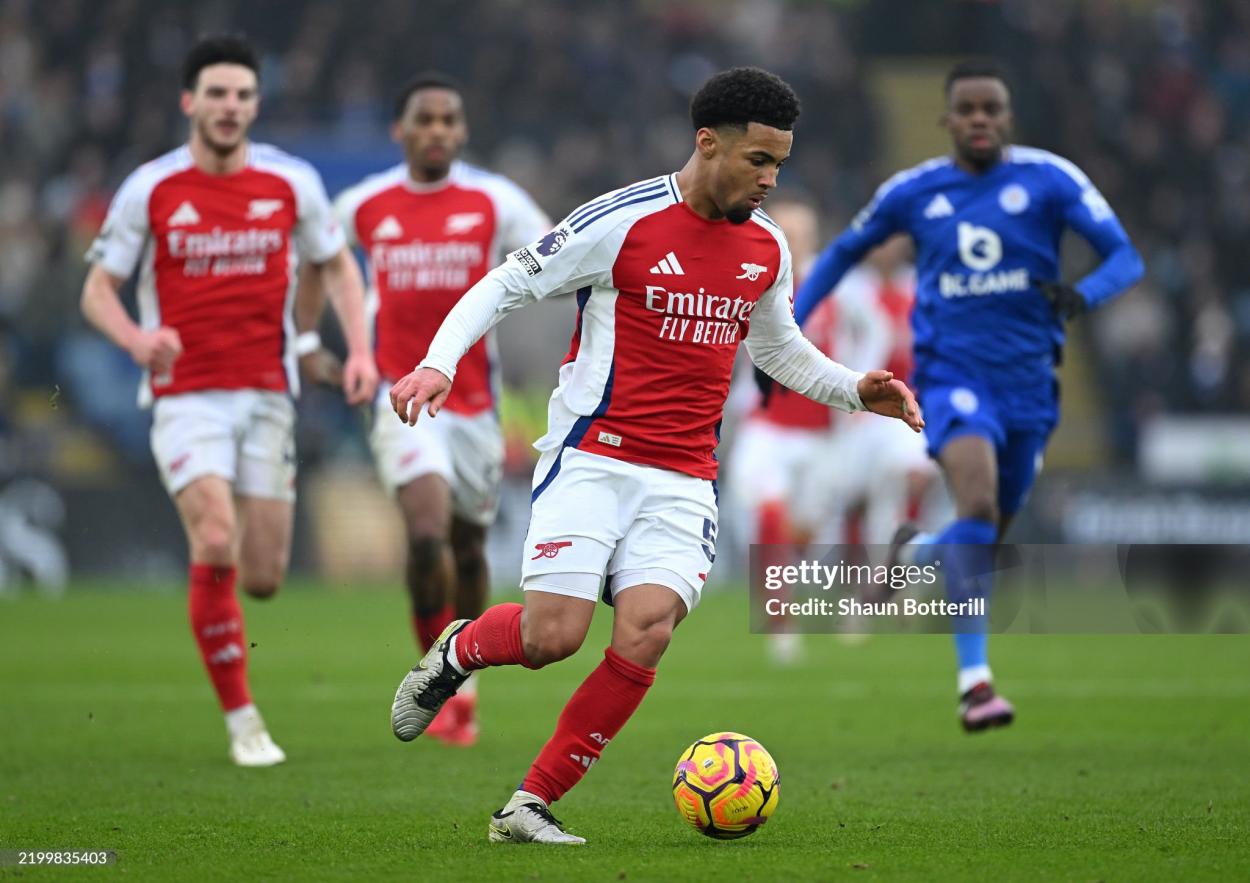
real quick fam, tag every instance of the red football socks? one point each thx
(591, 719)
(428, 626)
(773, 524)
(217, 623)
(494, 638)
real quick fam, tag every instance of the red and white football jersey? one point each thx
(217, 256)
(664, 297)
(791, 409)
(425, 246)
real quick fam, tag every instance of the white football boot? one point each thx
(526, 819)
(250, 743)
(423, 690)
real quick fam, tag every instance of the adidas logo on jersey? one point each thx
(388, 229)
(939, 207)
(668, 266)
(184, 215)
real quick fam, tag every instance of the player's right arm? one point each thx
(876, 222)
(562, 261)
(154, 349)
(113, 257)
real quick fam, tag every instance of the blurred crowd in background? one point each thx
(1151, 99)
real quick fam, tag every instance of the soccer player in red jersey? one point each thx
(670, 275)
(430, 228)
(781, 450)
(215, 226)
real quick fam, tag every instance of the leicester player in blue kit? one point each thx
(989, 328)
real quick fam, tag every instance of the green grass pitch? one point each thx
(1130, 759)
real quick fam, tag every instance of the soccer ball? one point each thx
(726, 785)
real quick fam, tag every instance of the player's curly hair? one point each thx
(975, 68)
(217, 49)
(424, 80)
(743, 95)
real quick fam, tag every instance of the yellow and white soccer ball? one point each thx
(726, 785)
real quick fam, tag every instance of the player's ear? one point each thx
(185, 100)
(396, 136)
(706, 141)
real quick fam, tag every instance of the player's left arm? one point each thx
(344, 287)
(316, 363)
(1087, 212)
(320, 238)
(778, 347)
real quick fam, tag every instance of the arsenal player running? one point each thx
(777, 468)
(670, 275)
(215, 226)
(430, 228)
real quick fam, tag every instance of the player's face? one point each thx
(745, 167)
(222, 106)
(432, 131)
(978, 116)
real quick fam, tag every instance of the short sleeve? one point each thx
(126, 229)
(318, 233)
(346, 204)
(521, 220)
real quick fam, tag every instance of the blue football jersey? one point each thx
(983, 242)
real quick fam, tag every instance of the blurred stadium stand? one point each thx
(1151, 98)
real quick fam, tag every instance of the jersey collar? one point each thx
(433, 186)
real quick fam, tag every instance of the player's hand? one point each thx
(322, 367)
(424, 387)
(764, 384)
(157, 350)
(882, 394)
(360, 378)
(1066, 301)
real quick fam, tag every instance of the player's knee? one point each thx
(470, 548)
(981, 506)
(549, 641)
(428, 553)
(644, 644)
(425, 528)
(212, 542)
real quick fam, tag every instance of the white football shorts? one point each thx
(466, 450)
(869, 450)
(246, 436)
(596, 516)
(771, 463)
